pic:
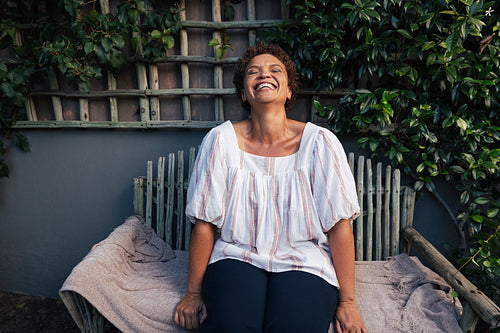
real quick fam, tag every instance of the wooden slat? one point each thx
(360, 220)
(30, 103)
(139, 196)
(83, 104)
(134, 92)
(180, 199)
(149, 194)
(257, 24)
(170, 199)
(369, 205)
(154, 101)
(186, 102)
(252, 34)
(350, 159)
(218, 76)
(395, 225)
(56, 101)
(192, 159)
(154, 92)
(113, 102)
(160, 195)
(387, 215)
(117, 124)
(142, 84)
(378, 213)
(142, 79)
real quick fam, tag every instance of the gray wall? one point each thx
(75, 187)
(68, 193)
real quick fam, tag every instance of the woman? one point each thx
(272, 200)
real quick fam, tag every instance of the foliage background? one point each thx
(79, 41)
(425, 85)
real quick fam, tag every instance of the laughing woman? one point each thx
(272, 200)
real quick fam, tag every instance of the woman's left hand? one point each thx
(348, 319)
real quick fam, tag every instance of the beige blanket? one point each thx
(135, 280)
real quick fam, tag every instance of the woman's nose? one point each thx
(265, 73)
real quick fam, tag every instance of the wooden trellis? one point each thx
(148, 92)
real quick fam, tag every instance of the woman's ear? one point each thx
(289, 94)
(243, 95)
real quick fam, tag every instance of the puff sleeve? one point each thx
(207, 185)
(333, 186)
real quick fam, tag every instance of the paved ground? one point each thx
(33, 314)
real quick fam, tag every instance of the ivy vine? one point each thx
(425, 85)
(77, 39)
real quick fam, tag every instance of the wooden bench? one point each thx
(384, 229)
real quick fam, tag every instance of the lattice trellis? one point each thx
(148, 94)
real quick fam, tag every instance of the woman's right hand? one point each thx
(187, 311)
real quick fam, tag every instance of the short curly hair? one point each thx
(276, 51)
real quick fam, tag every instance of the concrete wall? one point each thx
(68, 193)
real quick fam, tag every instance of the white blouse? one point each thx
(273, 212)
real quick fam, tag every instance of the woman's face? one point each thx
(266, 81)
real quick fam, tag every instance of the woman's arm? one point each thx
(202, 242)
(347, 318)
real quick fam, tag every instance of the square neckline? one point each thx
(237, 147)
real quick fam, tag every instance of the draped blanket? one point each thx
(135, 280)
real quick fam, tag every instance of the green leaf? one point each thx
(169, 41)
(213, 42)
(317, 105)
(462, 124)
(405, 33)
(481, 200)
(451, 42)
(492, 213)
(457, 169)
(156, 34)
(107, 44)
(219, 53)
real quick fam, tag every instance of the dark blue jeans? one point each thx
(243, 298)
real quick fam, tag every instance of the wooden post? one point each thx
(359, 222)
(139, 196)
(170, 199)
(378, 214)
(395, 225)
(186, 102)
(180, 200)
(149, 194)
(160, 198)
(387, 215)
(369, 204)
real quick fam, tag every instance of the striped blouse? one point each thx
(273, 212)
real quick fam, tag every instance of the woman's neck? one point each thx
(268, 127)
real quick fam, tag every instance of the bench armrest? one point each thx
(480, 303)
